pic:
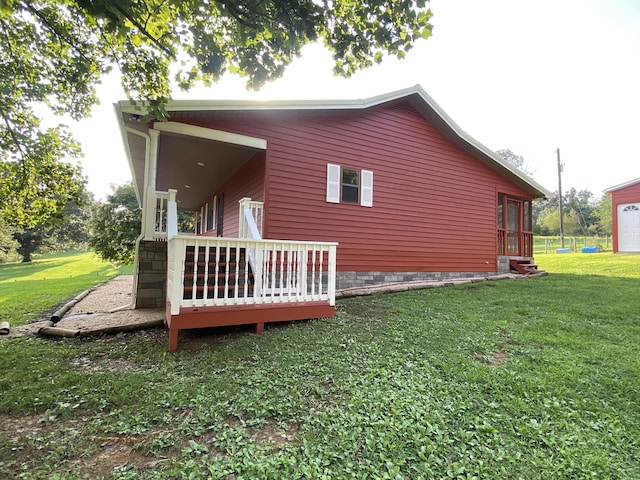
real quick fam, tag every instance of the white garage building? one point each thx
(625, 202)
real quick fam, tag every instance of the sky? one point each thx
(532, 77)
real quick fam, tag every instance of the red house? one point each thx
(296, 199)
(625, 202)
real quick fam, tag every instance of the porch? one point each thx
(515, 235)
(217, 281)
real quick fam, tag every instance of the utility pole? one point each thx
(560, 199)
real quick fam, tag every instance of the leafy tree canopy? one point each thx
(115, 226)
(517, 161)
(54, 52)
(69, 233)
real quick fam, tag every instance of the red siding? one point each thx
(630, 194)
(248, 181)
(434, 206)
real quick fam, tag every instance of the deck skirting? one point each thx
(222, 316)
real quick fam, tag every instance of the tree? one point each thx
(605, 216)
(73, 232)
(29, 241)
(8, 245)
(70, 231)
(571, 223)
(517, 161)
(54, 52)
(116, 225)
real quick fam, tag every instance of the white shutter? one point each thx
(333, 183)
(366, 197)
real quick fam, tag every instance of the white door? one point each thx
(629, 227)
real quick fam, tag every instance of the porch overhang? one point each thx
(191, 159)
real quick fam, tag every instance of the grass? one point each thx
(26, 290)
(531, 378)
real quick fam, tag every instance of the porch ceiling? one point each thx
(196, 167)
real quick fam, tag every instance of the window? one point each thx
(211, 207)
(349, 185)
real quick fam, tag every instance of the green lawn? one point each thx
(512, 379)
(26, 290)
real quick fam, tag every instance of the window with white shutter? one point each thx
(349, 185)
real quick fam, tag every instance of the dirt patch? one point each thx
(274, 434)
(494, 359)
(13, 428)
(101, 364)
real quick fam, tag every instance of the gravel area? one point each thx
(106, 306)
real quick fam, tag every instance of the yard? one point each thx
(530, 378)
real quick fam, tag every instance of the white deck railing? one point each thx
(206, 271)
(156, 218)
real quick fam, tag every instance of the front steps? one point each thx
(523, 266)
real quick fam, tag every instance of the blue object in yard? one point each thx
(563, 250)
(589, 249)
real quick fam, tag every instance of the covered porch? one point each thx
(218, 281)
(515, 234)
(220, 270)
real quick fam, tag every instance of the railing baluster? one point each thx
(236, 271)
(205, 292)
(302, 265)
(320, 281)
(313, 272)
(274, 267)
(289, 272)
(216, 277)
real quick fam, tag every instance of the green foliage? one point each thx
(70, 232)
(34, 184)
(530, 378)
(8, 244)
(604, 214)
(54, 52)
(583, 214)
(517, 161)
(115, 226)
(73, 232)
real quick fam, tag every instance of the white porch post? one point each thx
(332, 275)
(172, 214)
(149, 202)
(242, 228)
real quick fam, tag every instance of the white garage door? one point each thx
(629, 227)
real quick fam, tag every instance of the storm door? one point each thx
(515, 226)
(513, 222)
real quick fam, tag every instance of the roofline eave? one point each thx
(443, 119)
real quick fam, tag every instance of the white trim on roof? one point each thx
(622, 185)
(210, 134)
(428, 104)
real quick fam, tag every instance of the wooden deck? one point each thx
(221, 316)
(215, 281)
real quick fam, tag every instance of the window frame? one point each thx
(347, 186)
(336, 185)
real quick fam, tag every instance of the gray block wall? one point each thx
(364, 279)
(152, 275)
